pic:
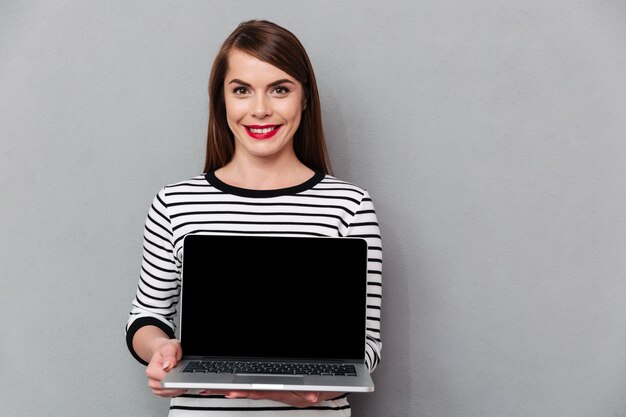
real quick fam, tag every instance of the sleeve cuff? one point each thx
(138, 324)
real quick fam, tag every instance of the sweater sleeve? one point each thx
(158, 290)
(365, 225)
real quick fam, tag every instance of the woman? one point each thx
(267, 171)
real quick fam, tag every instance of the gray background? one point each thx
(491, 135)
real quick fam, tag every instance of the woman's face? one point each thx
(263, 106)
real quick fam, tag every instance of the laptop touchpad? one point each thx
(269, 379)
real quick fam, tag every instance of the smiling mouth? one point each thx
(262, 132)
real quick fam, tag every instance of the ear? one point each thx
(304, 101)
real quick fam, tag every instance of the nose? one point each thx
(262, 107)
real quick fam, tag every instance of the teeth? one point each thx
(264, 130)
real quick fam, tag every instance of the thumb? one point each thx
(310, 396)
(169, 353)
(167, 363)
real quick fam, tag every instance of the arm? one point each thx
(162, 354)
(148, 340)
(365, 225)
(150, 327)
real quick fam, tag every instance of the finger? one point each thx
(170, 353)
(308, 396)
(168, 393)
(238, 394)
(296, 399)
(169, 361)
(155, 370)
(157, 389)
(155, 385)
(168, 364)
(213, 392)
(251, 394)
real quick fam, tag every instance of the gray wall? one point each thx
(491, 135)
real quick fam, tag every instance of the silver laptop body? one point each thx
(252, 304)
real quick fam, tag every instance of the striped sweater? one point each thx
(321, 206)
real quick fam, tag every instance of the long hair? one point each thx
(277, 46)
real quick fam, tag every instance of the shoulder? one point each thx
(198, 181)
(334, 184)
(173, 191)
(190, 185)
(330, 180)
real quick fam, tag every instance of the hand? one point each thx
(300, 399)
(165, 357)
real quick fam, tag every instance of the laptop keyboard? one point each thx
(276, 368)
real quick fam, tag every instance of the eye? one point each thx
(281, 90)
(239, 91)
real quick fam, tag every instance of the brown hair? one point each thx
(277, 46)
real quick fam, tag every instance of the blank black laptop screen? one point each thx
(274, 297)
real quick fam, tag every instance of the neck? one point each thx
(262, 174)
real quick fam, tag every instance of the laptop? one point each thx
(272, 313)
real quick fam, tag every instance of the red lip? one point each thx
(266, 135)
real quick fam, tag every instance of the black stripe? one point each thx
(157, 298)
(260, 232)
(157, 288)
(366, 236)
(195, 193)
(254, 213)
(168, 316)
(283, 223)
(222, 397)
(360, 224)
(335, 180)
(344, 187)
(201, 183)
(258, 204)
(214, 396)
(169, 271)
(158, 197)
(332, 197)
(157, 278)
(286, 408)
(165, 229)
(153, 233)
(166, 249)
(151, 307)
(154, 255)
(157, 211)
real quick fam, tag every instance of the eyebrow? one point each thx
(273, 84)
